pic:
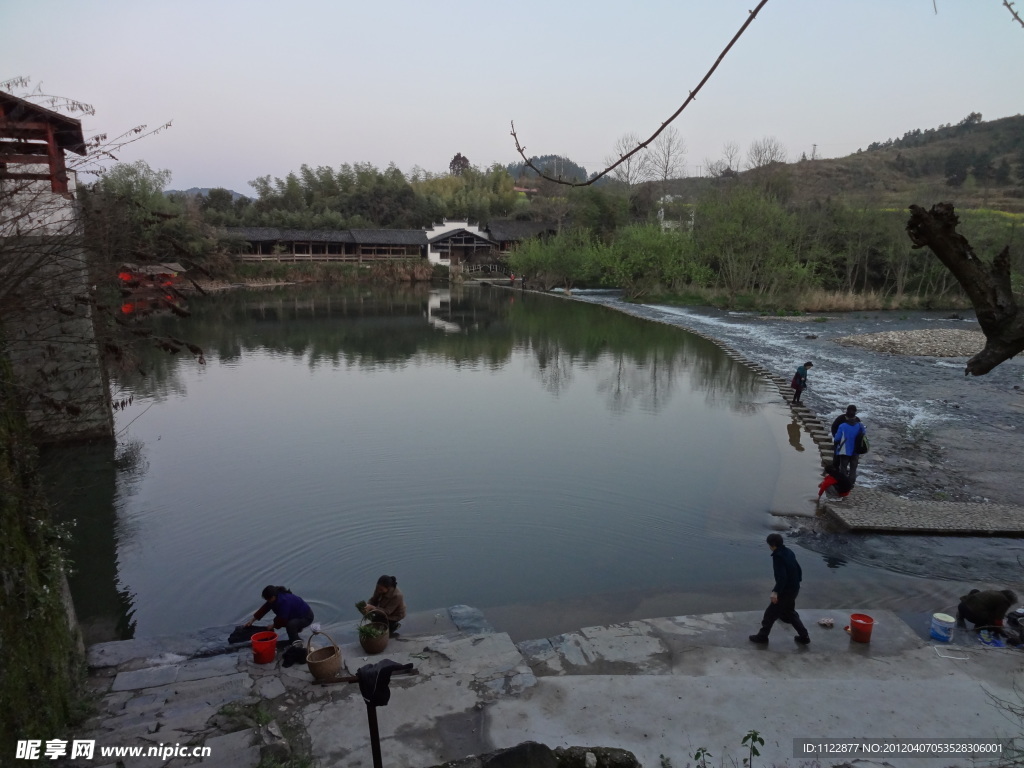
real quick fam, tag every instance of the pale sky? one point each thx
(256, 88)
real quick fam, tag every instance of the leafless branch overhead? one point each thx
(643, 145)
(1009, 7)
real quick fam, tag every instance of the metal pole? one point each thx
(371, 716)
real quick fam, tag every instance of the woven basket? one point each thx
(378, 619)
(324, 663)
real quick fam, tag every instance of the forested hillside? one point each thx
(973, 164)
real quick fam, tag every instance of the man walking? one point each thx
(783, 600)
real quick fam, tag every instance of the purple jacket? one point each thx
(286, 607)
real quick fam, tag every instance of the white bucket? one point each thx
(942, 627)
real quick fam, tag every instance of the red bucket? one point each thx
(860, 627)
(264, 647)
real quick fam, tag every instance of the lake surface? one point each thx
(553, 463)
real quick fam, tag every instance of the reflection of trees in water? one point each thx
(638, 362)
(649, 383)
(723, 380)
(554, 365)
(131, 463)
(81, 485)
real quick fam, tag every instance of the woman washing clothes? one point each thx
(388, 598)
(290, 611)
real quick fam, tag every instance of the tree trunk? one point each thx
(987, 286)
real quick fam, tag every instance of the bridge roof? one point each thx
(390, 236)
(15, 112)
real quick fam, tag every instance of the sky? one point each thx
(257, 88)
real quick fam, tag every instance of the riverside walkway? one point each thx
(657, 687)
(866, 509)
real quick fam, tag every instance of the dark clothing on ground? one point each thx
(290, 612)
(788, 576)
(244, 634)
(984, 608)
(294, 654)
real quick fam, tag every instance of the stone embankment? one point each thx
(652, 688)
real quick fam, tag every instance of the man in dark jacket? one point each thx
(851, 413)
(783, 600)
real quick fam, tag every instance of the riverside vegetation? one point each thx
(744, 249)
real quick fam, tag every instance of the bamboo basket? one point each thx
(374, 644)
(324, 663)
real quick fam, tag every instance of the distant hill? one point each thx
(553, 165)
(202, 192)
(974, 164)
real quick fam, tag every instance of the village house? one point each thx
(455, 244)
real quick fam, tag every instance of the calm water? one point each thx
(553, 463)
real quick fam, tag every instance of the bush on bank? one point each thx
(43, 668)
(739, 247)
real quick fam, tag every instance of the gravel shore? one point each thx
(923, 343)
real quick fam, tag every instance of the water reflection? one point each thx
(487, 448)
(834, 561)
(793, 429)
(80, 483)
(640, 362)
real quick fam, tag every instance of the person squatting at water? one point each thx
(290, 611)
(985, 609)
(783, 599)
(835, 484)
(388, 597)
(799, 383)
(849, 434)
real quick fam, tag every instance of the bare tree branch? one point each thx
(693, 94)
(1009, 7)
(987, 285)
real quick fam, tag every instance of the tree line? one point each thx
(362, 196)
(740, 245)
